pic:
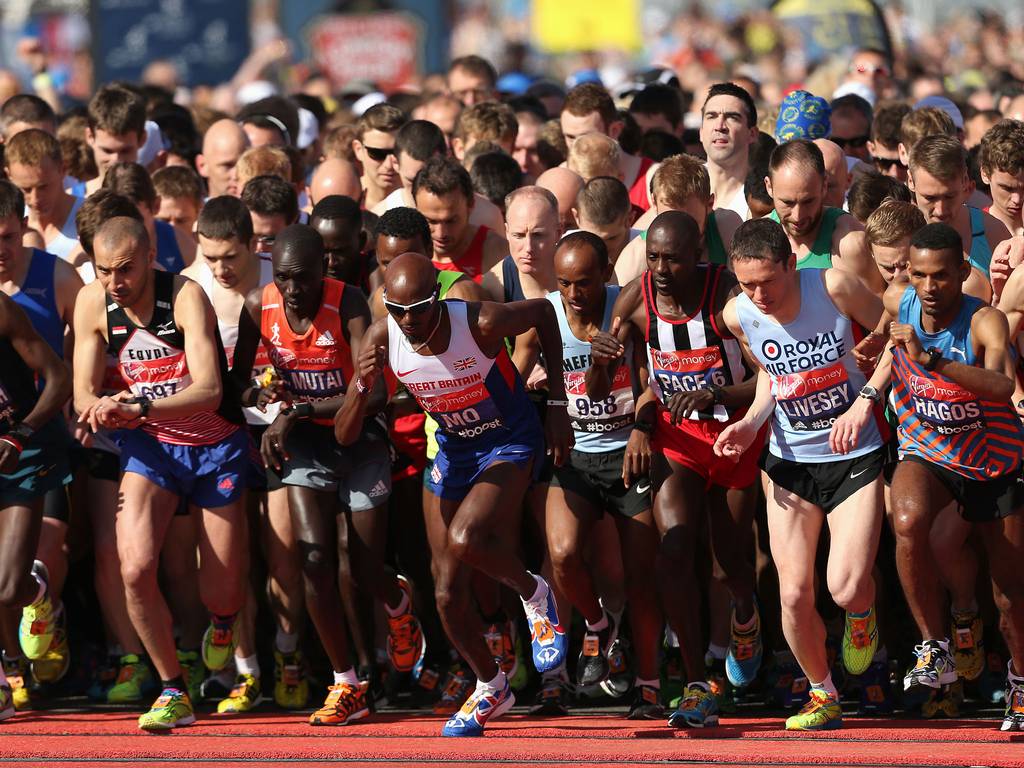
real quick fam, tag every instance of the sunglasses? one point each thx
(855, 142)
(415, 309)
(867, 69)
(885, 163)
(378, 154)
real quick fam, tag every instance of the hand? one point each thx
(81, 433)
(558, 433)
(1006, 257)
(734, 440)
(637, 461)
(605, 346)
(681, 404)
(538, 378)
(905, 336)
(113, 413)
(272, 445)
(371, 364)
(275, 393)
(9, 457)
(867, 352)
(847, 428)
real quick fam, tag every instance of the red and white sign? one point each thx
(383, 48)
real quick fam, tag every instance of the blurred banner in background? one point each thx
(831, 26)
(569, 26)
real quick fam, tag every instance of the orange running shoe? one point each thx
(345, 703)
(405, 637)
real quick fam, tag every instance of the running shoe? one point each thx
(133, 677)
(219, 644)
(1013, 717)
(345, 703)
(646, 704)
(244, 697)
(876, 690)
(193, 670)
(789, 685)
(405, 644)
(6, 702)
(547, 637)
(173, 708)
(217, 685)
(55, 662)
(456, 689)
(619, 679)
(743, 660)
(291, 688)
(943, 701)
(552, 696)
(721, 688)
(499, 636)
(593, 666)
(821, 713)
(698, 708)
(38, 620)
(485, 704)
(934, 667)
(968, 644)
(17, 672)
(860, 641)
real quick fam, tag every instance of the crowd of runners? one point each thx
(444, 399)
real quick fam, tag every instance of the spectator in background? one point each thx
(271, 121)
(658, 107)
(116, 129)
(223, 144)
(374, 147)
(487, 121)
(442, 110)
(885, 139)
(472, 80)
(851, 126)
(181, 197)
(531, 116)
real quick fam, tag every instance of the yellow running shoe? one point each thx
(38, 621)
(133, 676)
(17, 672)
(245, 696)
(172, 709)
(291, 688)
(968, 644)
(219, 645)
(821, 713)
(860, 641)
(344, 704)
(55, 662)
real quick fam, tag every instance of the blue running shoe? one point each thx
(697, 709)
(547, 637)
(479, 708)
(745, 651)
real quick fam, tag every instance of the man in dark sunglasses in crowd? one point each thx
(883, 147)
(851, 125)
(374, 147)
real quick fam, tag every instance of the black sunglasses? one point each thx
(378, 154)
(853, 143)
(885, 163)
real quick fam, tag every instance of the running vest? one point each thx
(229, 338)
(65, 242)
(639, 194)
(820, 255)
(981, 254)
(691, 354)
(445, 280)
(168, 254)
(943, 422)
(478, 402)
(599, 426)
(38, 297)
(151, 360)
(317, 364)
(814, 377)
(471, 263)
(511, 281)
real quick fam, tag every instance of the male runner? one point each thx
(728, 129)
(1001, 159)
(181, 440)
(824, 458)
(451, 355)
(223, 143)
(116, 129)
(699, 383)
(960, 440)
(310, 327)
(31, 446)
(592, 480)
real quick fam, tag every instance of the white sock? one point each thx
(403, 605)
(497, 684)
(828, 686)
(349, 677)
(286, 642)
(541, 592)
(42, 587)
(248, 665)
(599, 625)
(717, 651)
(655, 683)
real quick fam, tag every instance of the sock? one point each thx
(702, 684)
(617, 615)
(496, 684)
(862, 615)
(717, 652)
(403, 606)
(223, 621)
(828, 686)
(41, 582)
(1013, 676)
(598, 625)
(655, 683)
(286, 642)
(248, 665)
(943, 644)
(177, 683)
(349, 677)
(744, 626)
(542, 590)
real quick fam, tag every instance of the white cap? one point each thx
(309, 129)
(153, 145)
(254, 91)
(365, 102)
(947, 106)
(857, 89)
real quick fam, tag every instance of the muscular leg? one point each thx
(854, 526)
(955, 558)
(284, 582)
(180, 567)
(916, 494)
(731, 527)
(365, 546)
(19, 539)
(606, 565)
(1004, 542)
(570, 518)
(143, 517)
(639, 539)
(52, 537)
(679, 503)
(794, 527)
(355, 604)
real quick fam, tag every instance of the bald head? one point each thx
(223, 143)
(120, 236)
(836, 174)
(410, 277)
(564, 185)
(334, 176)
(299, 243)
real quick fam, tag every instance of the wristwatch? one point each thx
(144, 404)
(717, 394)
(870, 393)
(646, 427)
(934, 355)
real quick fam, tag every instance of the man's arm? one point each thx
(247, 346)
(727, 221)
(607, 347)
(632, 261)
(854, 254)
(493, 284)
(89, 360)
(369, 366)
(30, 346)
(495, 250)
(67, 284)
(466, 290)
(853, 298)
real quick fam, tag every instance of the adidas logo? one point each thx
(325, 339)
(380, 489)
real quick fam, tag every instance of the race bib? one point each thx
(813, 400)
(945, 406)
(598, 416)
(155, 378)
(688, 370)
(465, 413)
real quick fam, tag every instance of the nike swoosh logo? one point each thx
(406, 373)
(855, 475)
(643, 488)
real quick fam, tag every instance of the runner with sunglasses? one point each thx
(451, 356)
(310, 326)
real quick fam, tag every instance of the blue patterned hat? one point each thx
(803, 115)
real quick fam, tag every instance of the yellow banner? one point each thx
(565, 26)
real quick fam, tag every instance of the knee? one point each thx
(565, 555)
(910, 517)
(137, 575)
(318, 566)
(285, 571)
(847, 590)
(448, 597)
(795, 598)
(465, 541)
(1007, 590)
(675, 553)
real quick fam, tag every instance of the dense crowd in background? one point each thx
(688, 387)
